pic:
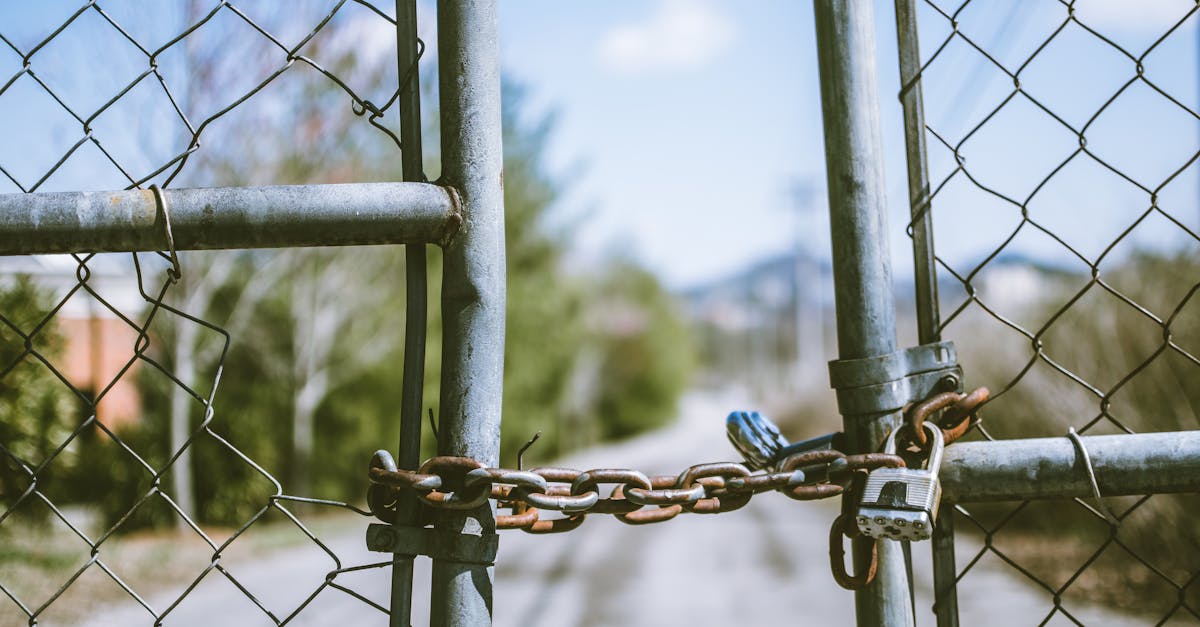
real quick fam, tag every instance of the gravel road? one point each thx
(766, 564)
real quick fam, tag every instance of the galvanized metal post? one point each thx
(416, 304)
(866, 318)
(945, 604)
(472, 285)
(275, 216)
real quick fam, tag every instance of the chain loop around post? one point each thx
(961, 412)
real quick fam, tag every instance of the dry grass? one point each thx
(1102, 367)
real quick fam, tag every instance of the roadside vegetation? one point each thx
(1137, 374)
(308, 385)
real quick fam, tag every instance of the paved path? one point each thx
(766, 564)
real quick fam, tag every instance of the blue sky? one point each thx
(685, 127)
(690, 141)
(693, 136)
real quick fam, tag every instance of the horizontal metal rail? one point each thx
(226, 218)
(1044, 468)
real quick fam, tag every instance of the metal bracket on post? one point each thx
(459, 547)
(886, 383)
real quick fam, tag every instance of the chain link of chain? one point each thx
(460, 483)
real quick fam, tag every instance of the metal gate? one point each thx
(462, 212)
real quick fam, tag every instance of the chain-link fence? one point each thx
(1064, 135)
(200, 390)
(117, 412)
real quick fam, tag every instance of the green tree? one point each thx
(311, 377)
(544, 328)
(647, 355)
(35, 406)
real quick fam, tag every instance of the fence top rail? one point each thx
(227, 218)
(1041, 468)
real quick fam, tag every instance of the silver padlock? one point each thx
(902, 503)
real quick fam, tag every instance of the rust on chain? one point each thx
(871, 461)
(382, 501)
(523, 516)
(616, 503)
(959, 415)
(813, 492)
(464, 483)
(707, 475)
(666, 496)
(809, 458)
(864, 549)
(558, 502)
(647, 515)
(492, 476)
(452, 470)
(556, 525)
(963, 414)
(916, 415)
(405, 479)
(557, 497)
(555, 474)
(756, 484)
(588, 480)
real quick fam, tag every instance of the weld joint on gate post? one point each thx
(886, 383)
(454, 221)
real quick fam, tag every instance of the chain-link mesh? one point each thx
(110, 415)
(1063, 192)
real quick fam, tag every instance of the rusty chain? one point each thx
(462, 483)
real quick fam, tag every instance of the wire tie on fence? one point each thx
(160, 201)
(1091, 473)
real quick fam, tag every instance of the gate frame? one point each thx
(464, 213)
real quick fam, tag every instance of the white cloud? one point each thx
(374, 38)
(1139, 15)
(679, 34)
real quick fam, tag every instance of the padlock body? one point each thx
(899, 503)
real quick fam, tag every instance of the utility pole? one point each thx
(809, 317)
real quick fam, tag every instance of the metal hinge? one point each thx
(887, 383)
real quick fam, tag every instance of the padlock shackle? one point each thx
(937, 446)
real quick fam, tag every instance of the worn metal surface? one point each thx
(1041, 468)
(473, 294)
(458, 483)
(410, 541)
(416, 307)
(889, 382)
(925, 270)
(866, 324)
(912, 99)
(227, 218)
